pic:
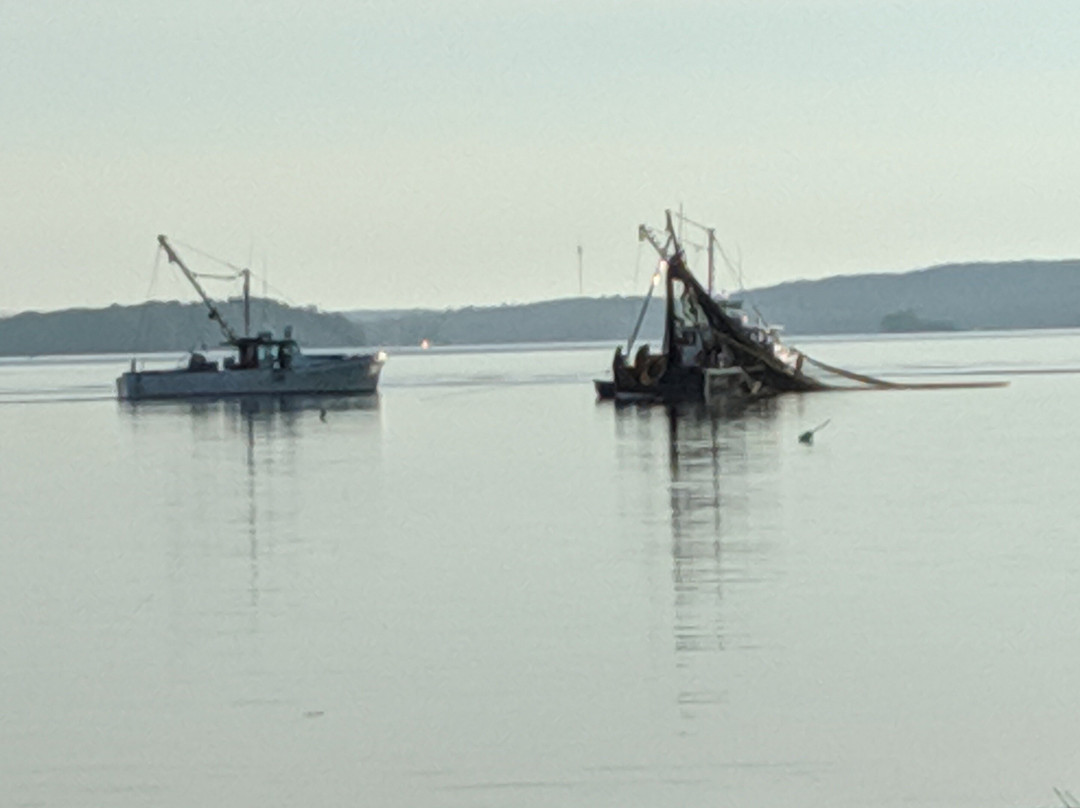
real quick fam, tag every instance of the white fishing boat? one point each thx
(262, 365)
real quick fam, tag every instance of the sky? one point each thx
(444, 154)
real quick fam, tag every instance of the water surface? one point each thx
(483, 588)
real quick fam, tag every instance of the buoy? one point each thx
(807, 437)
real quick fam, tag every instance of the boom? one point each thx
(215, 315)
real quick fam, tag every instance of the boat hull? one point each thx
(358, 375)
(675, 386)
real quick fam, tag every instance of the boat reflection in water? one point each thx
(252, 487)
(254, 405)
(718, 463)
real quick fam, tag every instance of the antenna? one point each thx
(711, 243)
(247, 302)
(580, 270)
(246, 272)
(266, 293)
(711, 240)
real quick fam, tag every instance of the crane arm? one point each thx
(215, 315)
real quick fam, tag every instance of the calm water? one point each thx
(485, 589)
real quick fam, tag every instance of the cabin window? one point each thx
(248, 358)
(286, 353)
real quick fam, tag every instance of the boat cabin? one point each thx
(263, 351)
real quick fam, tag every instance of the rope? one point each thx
(847, 374)
(266, 284)
(153, 274)
(920, 386)
(771, 360)
(637, 264)
(880, 384)
(140, 328)
(738, 276)
(240, 270)
(208, 256)
(275, 290)
(216, 277)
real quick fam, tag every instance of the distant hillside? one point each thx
(1025, 294)
(1022, 294)
(157, 326)
(572, 320)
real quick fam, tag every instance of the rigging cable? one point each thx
(285, 299)
(140, 328)
(267, 285)
(736, 274)
(209, 257)
(232, 277)
(637, 264)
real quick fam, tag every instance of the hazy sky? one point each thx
(447, 153)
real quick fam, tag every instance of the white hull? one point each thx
(332, 376)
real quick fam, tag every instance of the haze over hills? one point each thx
(990, 296)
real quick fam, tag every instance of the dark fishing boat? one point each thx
(711, 348)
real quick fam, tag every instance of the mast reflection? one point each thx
(252, 512)
(248, 453)
(271, 427)
(712, 454)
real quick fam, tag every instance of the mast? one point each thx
(247, 300)
(711, 244)
(580, 271)
(712, 240)
(674, 239)
(645, 233)
(215, 315)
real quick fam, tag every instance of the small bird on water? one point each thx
(807, 437)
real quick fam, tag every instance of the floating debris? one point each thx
(807, 437)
